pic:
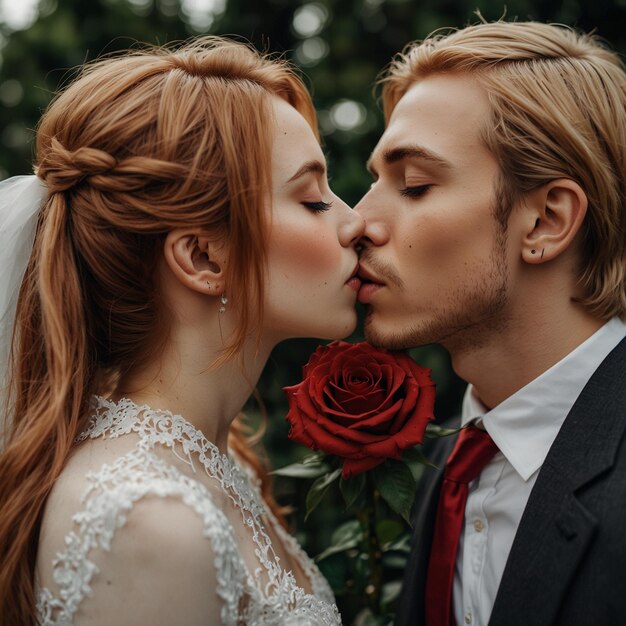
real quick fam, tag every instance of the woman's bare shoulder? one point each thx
(152, 564)
(67, 497)
(160, 570)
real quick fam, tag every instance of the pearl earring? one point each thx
(223, 301)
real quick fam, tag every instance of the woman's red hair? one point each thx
(138, 145)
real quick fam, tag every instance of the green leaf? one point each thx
(302, 470)
(415, 455)
(318, 489)
(367, 618)
(346, 537)
(396, 485)
(395, 560)
(388, 530)
(347, 532)
(402, 544)
(417, 469)
(314, 459)
(390, 591)
(352, 488)
(397, 554)
(335, 570)
(433, 431)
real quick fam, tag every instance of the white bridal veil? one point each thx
(21, 197)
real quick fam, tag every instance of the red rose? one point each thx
(360, 403)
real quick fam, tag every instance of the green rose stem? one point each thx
(367, 519)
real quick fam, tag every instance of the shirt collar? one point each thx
(525, 425)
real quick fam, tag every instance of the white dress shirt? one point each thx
(524, 427)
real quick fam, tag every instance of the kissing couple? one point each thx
(180, 225)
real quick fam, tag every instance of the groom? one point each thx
(496, 227)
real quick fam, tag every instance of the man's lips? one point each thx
(370, 285)
(368, 277)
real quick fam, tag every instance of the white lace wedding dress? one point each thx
(165, 454)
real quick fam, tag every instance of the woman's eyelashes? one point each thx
(415, 192)
(318, 207)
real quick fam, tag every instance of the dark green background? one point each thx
(360, 35)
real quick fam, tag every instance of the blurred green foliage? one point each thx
(341, 46)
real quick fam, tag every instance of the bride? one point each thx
(182, 226)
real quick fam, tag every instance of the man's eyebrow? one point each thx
(317, 167)
(393, 155)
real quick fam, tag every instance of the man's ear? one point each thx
(553, 214)
(197, 260)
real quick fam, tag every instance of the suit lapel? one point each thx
(556, 529)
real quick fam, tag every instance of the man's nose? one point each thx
(376, 232)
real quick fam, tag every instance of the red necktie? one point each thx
(472, 451)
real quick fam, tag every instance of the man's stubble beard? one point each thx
(475, 313)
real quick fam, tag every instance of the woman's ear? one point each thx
(196, 260)
(555, 213)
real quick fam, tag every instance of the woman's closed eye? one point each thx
(415, 192)
(318, 207)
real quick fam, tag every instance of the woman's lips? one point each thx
(354, 282)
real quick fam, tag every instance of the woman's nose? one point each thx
(351, 229)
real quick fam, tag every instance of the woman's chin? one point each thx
(337, 324)
(341, 331)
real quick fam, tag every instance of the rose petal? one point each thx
(352, 467)
(343, 395)
(329, 443)
(374, 410)
(355, 435)
(410, 400)
(355, 404)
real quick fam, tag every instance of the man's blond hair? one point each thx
(558, 104)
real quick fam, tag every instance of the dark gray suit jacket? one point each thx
(567, 564)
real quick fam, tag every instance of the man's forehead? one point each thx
(401, 147)
(432, 120)
(389, 141)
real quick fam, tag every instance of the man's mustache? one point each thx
(382, 270)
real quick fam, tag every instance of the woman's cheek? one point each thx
(306, 250)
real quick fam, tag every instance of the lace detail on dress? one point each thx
(319, 584)
(268, 596)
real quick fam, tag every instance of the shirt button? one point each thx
(468, 618)
(478, 525)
